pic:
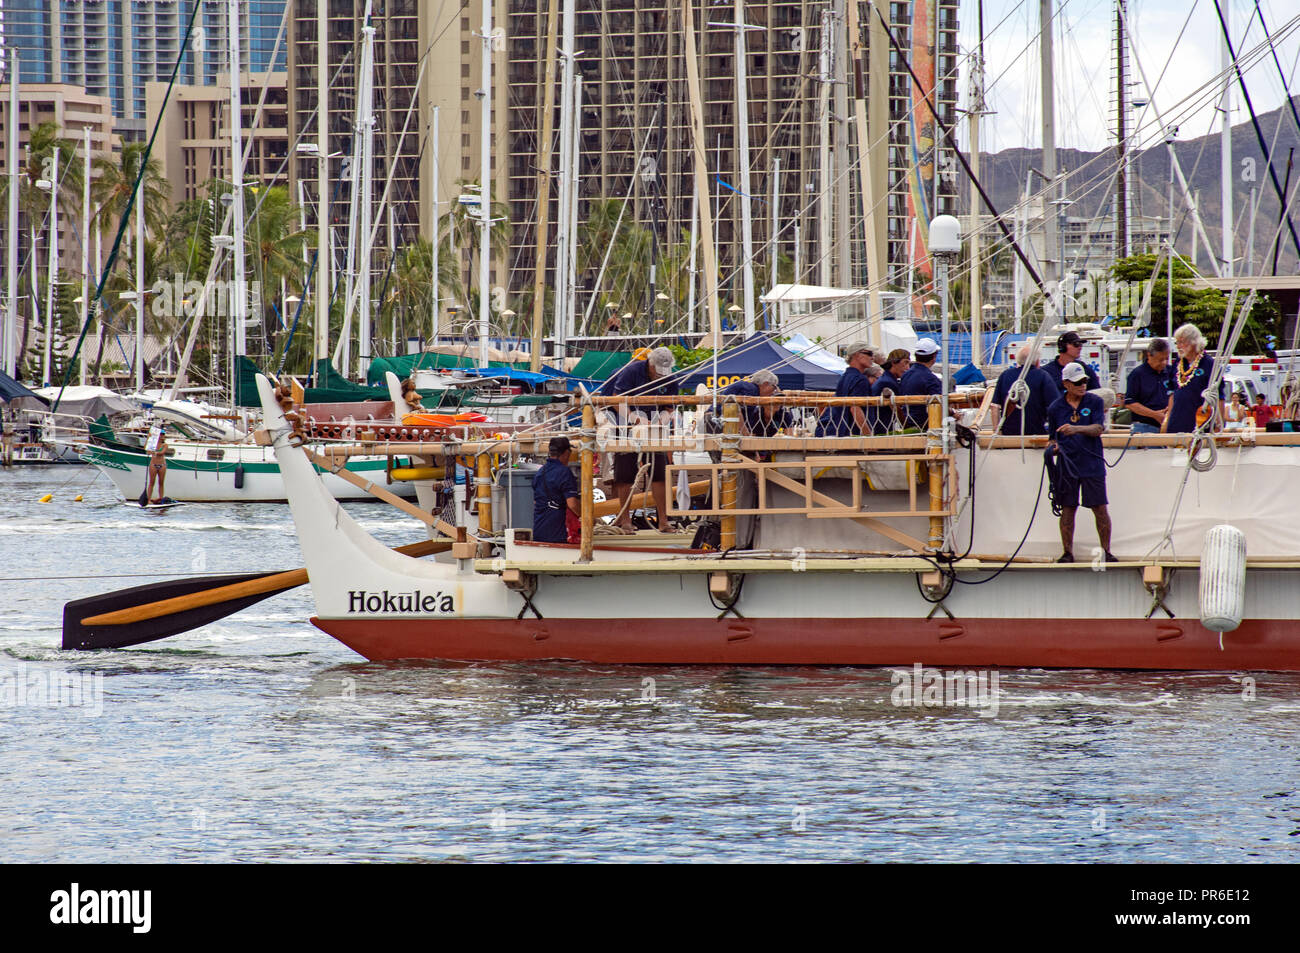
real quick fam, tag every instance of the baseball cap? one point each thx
(1069, 337)
(926, 347)
(855, 348)
(662, 360)
(1074, 373)
(558, 446)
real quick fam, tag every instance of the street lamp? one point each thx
(945, 244)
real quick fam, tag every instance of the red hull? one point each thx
(1258, 645)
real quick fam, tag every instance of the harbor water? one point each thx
(258, 738)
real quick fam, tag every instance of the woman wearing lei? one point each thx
(1192, 373)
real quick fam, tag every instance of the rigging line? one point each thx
(1254, 121)
(1286, 89)
(139, 183)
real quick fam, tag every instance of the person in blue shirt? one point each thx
(889, 382)
(764, 420)
(1029, 420)
(1149, 389)
(555, 493)
(650, 376)
(1192, 372)
(851, 420)
(921, 380)
(1075, 423)
(1070, 346)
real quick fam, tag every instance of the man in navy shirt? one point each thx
(889, 382)
(1070, 346)
(555, 493)
(1029, 420)
(638, 379)
(764, 420)
(921, 380)
(1075, 424)
(1192, 373)
(1149, 389)
(849, 421)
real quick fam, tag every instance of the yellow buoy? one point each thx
(77, 498)
(46, 498)
(407, 474)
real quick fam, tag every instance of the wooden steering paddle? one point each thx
(150, 612)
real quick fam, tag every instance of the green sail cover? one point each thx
(600, 365)
(334, 387)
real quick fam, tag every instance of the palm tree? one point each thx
(275, 245)
(115, 181)
(34, 202)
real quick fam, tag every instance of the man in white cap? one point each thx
(921, 381)
(1075, 423)
(642, 378)
(849, 421)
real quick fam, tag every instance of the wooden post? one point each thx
(484, 488)
(588, 500)
(934, 448)
(727, 485)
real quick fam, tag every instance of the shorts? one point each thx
(626, 466)
(1141, 425)
(1092, 489)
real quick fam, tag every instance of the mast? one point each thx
(324, 253)
(1051, 267)
(571, 284)
(1121, 137)
(437, 221)
(660, 109)
(563, 250)
(1225, 133)
(742, 130)
(691, 271)
(240, 297)
(543, 186)
(51, 264)
(364, 208)
(840, 136)
(11, 312)
(977, 110)
(85, 243)
(701, 177)
(485, 188)
(871, 157)
(825, 214)
(139, 297)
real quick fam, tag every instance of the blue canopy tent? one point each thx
(10, 389)
(755, 353)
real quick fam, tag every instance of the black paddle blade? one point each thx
(78, 636)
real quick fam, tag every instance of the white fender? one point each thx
(1223, 578)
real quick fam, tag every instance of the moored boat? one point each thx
(856, 559)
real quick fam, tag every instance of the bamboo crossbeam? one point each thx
(536, 443)
(801, 399)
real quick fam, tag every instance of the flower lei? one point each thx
(1185, 376)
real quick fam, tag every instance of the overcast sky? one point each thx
(1179, 42)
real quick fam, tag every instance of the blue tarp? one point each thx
(509, 373)
(754, 353)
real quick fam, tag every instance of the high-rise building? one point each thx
(113, 48)
(396, 102)
(193, 141)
